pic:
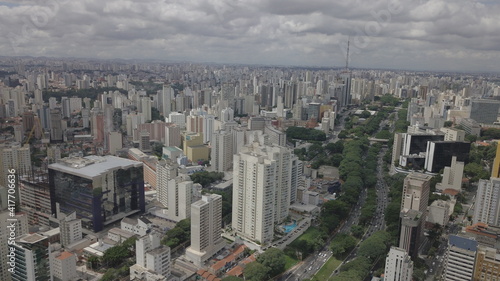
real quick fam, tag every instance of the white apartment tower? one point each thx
(486, 207)
(14, 157)
(221, 154)
(452, 176)
(179, 198)
(71, 229)
(165, 171)
(206, 224)
(398, 265)
(262, 189)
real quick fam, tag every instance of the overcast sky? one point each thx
(460, 35)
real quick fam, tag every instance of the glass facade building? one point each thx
(100, 190)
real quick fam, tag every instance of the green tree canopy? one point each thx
(274, 259)
(255, 271)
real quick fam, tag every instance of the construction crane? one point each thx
(33, 130)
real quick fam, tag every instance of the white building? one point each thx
(70, 228)
(4, 234)
(459, 259)
(452, 134)
(165, 171)
(452, 176)
(486, 207)
(221, 154)
(439, 212)
(178, 119)
(151, 257)
(179, 198)
(398, 265)
(139, 226)
(14, 157)
(206, 223)
(63, 266)
(262, 188)
(146, 104)
(115, 142)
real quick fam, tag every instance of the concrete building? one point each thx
(179, 198)
(459, 259)
(101, 190)
(35, 201)
(166, 170)
(140, 226)
(172, 135)
(495, 171)
(452, 176)
(70, 228)
(439, 212)
(414, 202)
(178, 119)
(14, 156)
(114, 142)
(262, 189)
(193, 147)
(398, 265)
(63, 266)
(452, 134)
(221, 159)
(487, 207)
(206, 224)
(4, 249)
(151, 258)
(487, 265)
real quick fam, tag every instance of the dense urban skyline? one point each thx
(414, 35)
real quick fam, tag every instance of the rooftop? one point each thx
(64, 255)
(92, 166)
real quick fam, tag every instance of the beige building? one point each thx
(206, 221)
(452, 176)
(439, 212)
(63, 266)
(452, 134)
(193, 147)
(487, 266)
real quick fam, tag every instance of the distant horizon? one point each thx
(167, 61)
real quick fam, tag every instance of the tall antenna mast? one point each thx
(347, 57)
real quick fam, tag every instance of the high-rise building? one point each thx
(4, 247)
(459, 258)
(398, 265)
(221, 158)
(35, 201)
(70, 228)
(172, 135)
(487, 265)
(484, 111)
(178, 119)
(100, 189)
(56, 130)
(262, 188)
(495, 171)
(206, 225)
(63, 265)
(487, 207)
(179, 198)
(32, 258)
(15, 157)
(165, 171)
(452, 176)
(440, 153)
(415, 197)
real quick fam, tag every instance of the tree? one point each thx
(232, 278)
(274, 259)
(365, 114)
(335, 147)
(357, 231)
(342, 244)
(448, 124)
(93, 262)
(255, 271)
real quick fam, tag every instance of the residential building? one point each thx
(166, 170)
(221, 159)
(16, 157)
(452, 176)
(206, 229)
(398, 265)
(70, 228)
(32, 258)
(453, 134)
(35, 200)
(487, 207)
(101, 190)
(179, 198)
(63, 266)
(151, 258)
(439, 212)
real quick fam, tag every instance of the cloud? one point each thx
(407, 34)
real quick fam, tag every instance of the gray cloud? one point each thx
(414, 34)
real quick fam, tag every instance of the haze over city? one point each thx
(415, 35)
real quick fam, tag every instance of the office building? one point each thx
(459, 258)
(487, 265)
(221, 159)
(206, 229)
(440, 153)
(56, 130)
(484, 111)
(487, 207)
(193, 147)
(452, 134)
(101, 190)
(32, 258)
(398, 265)
(414, 202)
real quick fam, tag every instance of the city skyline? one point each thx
(413, 35)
